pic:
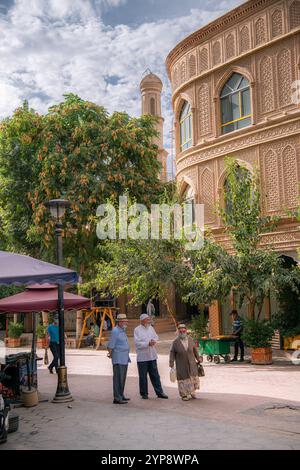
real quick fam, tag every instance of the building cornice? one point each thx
(239, 142)
(215, 27)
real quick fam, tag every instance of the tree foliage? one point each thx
(79, 152)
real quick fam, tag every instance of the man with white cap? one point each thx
(145, 339)
(118, 351)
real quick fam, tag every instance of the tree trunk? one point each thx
(251, 312)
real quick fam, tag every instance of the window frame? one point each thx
(239, 92)
(185, 127)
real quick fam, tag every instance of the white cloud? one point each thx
(50, 47)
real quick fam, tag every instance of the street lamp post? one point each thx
(57, 209)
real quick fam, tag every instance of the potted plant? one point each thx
(257, 335)
(15, 331)
(41, 336)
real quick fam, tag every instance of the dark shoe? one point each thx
(162, 395)
(241, 360)
(120, 402)
(126, 399)
(144, 397)
(234, 359)
(50, 370)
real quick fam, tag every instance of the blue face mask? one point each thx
(182, 335)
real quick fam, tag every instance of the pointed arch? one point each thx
(294, 14)
(276, 23)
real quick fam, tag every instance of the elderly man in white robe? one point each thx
(145, 339)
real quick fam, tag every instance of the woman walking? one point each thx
(185, 356)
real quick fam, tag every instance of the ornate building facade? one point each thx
(233, 95)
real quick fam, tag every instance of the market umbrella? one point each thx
(38, 298)
(18, 269)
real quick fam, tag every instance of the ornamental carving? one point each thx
(290, 177)
(240, 143)
(266, 85)
(285, 79)
(229, 46)
(204, 109)
(207, 194)
(183, 73)
(294, 12)
(244, 39)
(203, 60)
(276, 23)
(272, 181)
(192, 66)
(216, 53)
(260, 31)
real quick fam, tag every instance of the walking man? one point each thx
(53, 339)
(145, 339)
(118, 351)
(237, 329)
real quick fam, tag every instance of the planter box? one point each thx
(41, 343)
(13, 342)
(261, 356)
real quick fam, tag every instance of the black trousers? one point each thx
(54, 348)
(119, 379)
(239, 344)
(145, 368)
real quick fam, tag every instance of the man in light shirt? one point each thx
(145, 339)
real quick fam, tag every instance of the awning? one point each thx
(38, 298)
(18, 269)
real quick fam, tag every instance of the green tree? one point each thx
(249, 269)
(79, 152)
(19, 170)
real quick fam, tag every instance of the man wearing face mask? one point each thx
(145, 339)
(118, 351)
(184, 355)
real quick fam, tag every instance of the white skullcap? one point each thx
(144, 316)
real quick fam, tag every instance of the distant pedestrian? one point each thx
(237, 329)
(53, 339)
(185, 356)
(118, 351)
(151, 309)
(145, 339)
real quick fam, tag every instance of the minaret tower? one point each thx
(151, 88)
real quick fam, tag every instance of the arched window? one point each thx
(152, 106)
(235, 104)
(185, 120)
(189, 198)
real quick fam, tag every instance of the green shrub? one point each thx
(41, 331)
(15, 330)
(257, 334)
(199, 326)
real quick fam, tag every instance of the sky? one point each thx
(98, 49)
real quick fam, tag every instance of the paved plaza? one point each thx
(239, 406)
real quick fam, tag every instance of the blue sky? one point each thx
(98, 49)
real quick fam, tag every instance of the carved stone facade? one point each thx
(261, 41)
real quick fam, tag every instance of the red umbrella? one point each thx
(38, 298)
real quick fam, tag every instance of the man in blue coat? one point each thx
(118, 351)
